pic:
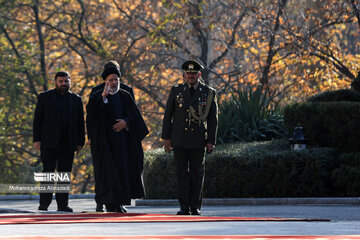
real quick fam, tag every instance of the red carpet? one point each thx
(182, 237)
(127, 217)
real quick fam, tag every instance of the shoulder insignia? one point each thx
(178, 85)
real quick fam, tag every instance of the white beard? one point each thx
(113, 91)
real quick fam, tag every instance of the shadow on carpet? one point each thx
(126, 217)
(8, 210)
(183, 237)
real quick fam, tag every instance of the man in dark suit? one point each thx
(189, 127)
(58, 131)
(112, 63)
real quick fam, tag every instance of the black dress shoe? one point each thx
(64, 209)
(99, 207)
(42, 208)
(123, 208)
(183, 212)
(195, 211)
(119, 209)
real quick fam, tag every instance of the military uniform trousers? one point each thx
(60, 159)
(190, 169)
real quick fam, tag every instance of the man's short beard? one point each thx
(62, 90)
(113, 91)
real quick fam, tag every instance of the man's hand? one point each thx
(167, 145)
(209, 147)
(37, 145)
(106, 90)
(120, 125)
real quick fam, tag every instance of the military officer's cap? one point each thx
(192, 66)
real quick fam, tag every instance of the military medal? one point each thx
(203, 99)
(180, 99)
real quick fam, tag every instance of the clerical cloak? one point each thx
(117, 156)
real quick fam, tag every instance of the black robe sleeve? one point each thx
(137, 132)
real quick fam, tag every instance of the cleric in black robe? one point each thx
(116, 131)
(112, 63)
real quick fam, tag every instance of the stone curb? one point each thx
(36, 197)
(253, 201)
(214, 201)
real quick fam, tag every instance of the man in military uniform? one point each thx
(189, 127)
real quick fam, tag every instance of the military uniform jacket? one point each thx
(180, 126)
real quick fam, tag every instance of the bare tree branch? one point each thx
(83, 58)
(27, 73)
(356, 9)
(337, 64)
(153, 94)
(82, 38)
(271, 52)
(41, 44)
(230, 43)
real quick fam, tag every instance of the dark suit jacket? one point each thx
(183, 131)
(89, 124)
(46, 125)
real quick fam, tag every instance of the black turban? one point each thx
(111, 70)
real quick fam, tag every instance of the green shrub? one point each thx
(258, 169)
(269, 169)
(346, 178)
(336, 96)
(248, 116)
(327, 124)
(159, 175)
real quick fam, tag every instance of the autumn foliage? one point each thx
(294, 48)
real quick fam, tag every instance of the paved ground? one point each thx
(345, 220)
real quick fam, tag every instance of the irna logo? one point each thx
(52, 177)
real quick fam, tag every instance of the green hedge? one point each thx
(346, 177)
(327, 124)
(159, 175)
(261, 169)
(336, 96)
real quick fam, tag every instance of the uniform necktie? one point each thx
(192, 90)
